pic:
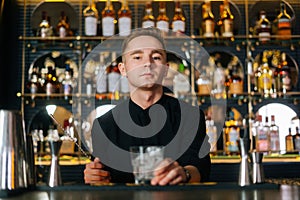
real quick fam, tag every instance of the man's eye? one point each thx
(156, 57)
(136, 57)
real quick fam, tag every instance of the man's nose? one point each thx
(148, 61)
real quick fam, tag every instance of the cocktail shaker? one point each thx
(54, 178)
(244, 176)
(15, 157)
(257, 168)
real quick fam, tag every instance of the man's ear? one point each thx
(122, 69)
(166, 69)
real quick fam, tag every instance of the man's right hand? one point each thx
(94, 173)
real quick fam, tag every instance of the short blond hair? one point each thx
(151, 31)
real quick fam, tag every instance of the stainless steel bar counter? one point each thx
(211, 190)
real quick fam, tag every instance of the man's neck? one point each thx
(145, 99)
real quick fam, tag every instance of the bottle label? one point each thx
(209, 26)
(286, 80)
(178, 26)
(236, 87)
(67, 89)
(262, 143)
(108, 26)
(233, 136)
(33, 88)
(297, 143)
(274, 141)
(265, 82)
(124, 26)
(228, 28)
(264, 36)
(90, 26)
(148, 23)
(163, 25)
(181, 84)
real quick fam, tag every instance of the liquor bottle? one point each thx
(45, 28)
(50, 82)
(124, 23)
(34, 85)
(297, 139)
(262, 135)
(265, 78)
(90, 19)
(178, 22)
(113, 77)
(284, 75)
(63, 26)
(108, 19)
(67, 82)
(289, 143)
(235, 80)
(249, 63)
(263, 28)
(226, 20)
(274, 136)
(181, 84)
(211, 131)
(218, 86)
(148, 19)
(162, 20)
(101, 78)
(231, 134)
(208, 23)
(283, 22)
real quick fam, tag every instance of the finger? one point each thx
(165, 166)
(172, 175)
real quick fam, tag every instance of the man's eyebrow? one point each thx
(160, 51)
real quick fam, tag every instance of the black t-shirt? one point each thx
(174, 124)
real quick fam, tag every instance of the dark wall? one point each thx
(8, 55)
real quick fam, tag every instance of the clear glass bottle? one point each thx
(113, 77)
(181, 84)
(289, 143)
(265, 78)
(162, 20)
(263, 28)
(274, 136)
(34, 85)
(91, 15)
(148, 19)
(67, 82)
(208, 23)
(178, 22)
(227, 20)
(108, 19)
(263, 135)
(283, 23)
(125, 18)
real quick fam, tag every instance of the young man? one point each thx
(149, 117)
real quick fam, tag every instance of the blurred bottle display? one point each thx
(226, 20)
(208, 23)
(68, 83)
(265, 77)
(274, 136)
(91, 15)
(283, 23)
(231, 134)
(178, 22)
(262, 135)
(45, 28)
(263, 28)
(108, 19)
(101, 77)
(148, 19)
(162, 20)
(124, 19)
(218, 84)
(181, 84)
(63, 26)
(289, 143)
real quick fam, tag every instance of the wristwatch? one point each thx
(187, 175)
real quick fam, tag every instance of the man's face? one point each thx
(145, 63)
